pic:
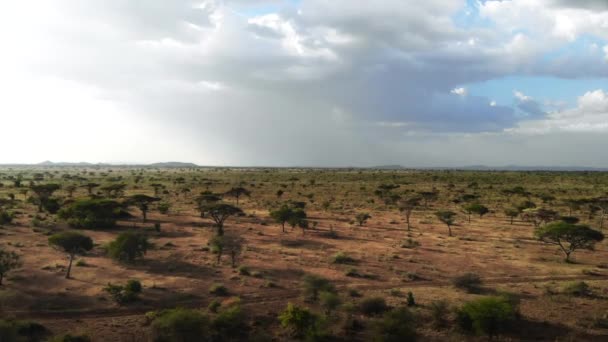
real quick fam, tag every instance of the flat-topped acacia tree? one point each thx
(237, 192)
(142, 202)
(407, 206)
(220, 212)
(569, 237)
(72, 243)
(43, 193)
(446, 217)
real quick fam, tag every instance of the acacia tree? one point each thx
(91, 213)
(128, 246)
(446, 217)
(511, 213)
(8, 261)
(569, 237)
(70, 189)
(72, 243)
(219, 212)
(282, 215)
(407, 207)
(476, 208)
(298, 218)
(90, 187)
(429, 196)
(143, 203)
(205, 199)
(237, 192)
(362, 218)
(539, 216)
(157, 188)
(43, 193)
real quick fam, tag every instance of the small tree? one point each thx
(313, 285)
(298, 218)
(91, 213)
(143, 203)
(329, 301)
(128, 246)
(396, 325)
(219, 212)
(8, 261)
(206, 199)
(218, 244)
(90, 187)
(234, 246)
(237, 192)
(446, 217)
(362, 218)
(72, 243)
(300, 321)
(511, 213)
(569, 237)
(43, 193)
(282, 215)
(407, 207)
(475, 208)
(489, 315)
(181, 325)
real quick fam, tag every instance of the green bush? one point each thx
(300, 322)
(128, 246)
(177, 325)
(91, 213)
(469, 282)
(313, 285)
(578, 289)
(397, 325)
(218, 290)
(373, 306)
(342, 258)
(439, 313)
(6, 217)
(489, 315)
(230, 324)
(124, 294)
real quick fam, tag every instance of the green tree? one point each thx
(475, 208)
(204, 200)
(397, 325)
(142, 202)
(362, 218)
(407, 207)
(91, 213)
(43, 193)
(220, 212)
(569, 237)
(8, 261)
(181, 325)
(301, 322)
(90, 187)
(72, 243)
(282, 215)
(447, 217)
(511, 213)
(489, 315)
(298, 218)
(128, 246)
(237, 192)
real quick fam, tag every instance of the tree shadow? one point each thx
(306, 244)
(173, 268)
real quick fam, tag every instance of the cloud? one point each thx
(307, 82)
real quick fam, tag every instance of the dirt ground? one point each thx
(179, 270)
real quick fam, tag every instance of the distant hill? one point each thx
(493, 168)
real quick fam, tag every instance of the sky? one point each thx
(305, 82)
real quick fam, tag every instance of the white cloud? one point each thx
(459, 91)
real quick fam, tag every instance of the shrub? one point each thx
(181, 325)
(244, 270)
(439, 313)
(6, 217)
(163, 207)
(489, 315)
(124, 294)
(214, 305)
(578, 289)
(329, 301)
(342, 258)
(71, 338)
(218, 290)
(128, 246)
(395, 326)
(299, 321)
(373, 306)
(315, 284)
(230, 324)
(91, 213)
(470, 282)
(410, 299)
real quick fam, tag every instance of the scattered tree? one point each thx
(569, 237)
(8, 262)
(72, 243)
(142, 202)
(237, 192)
(362, 218)
(128, 246)
(446, 217)
(219, 212)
